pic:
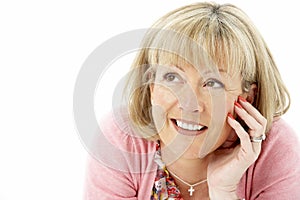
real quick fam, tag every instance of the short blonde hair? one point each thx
(229, 38)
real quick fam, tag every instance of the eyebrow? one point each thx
(210, 71)
(179, 68)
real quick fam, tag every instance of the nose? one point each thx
(189, 101)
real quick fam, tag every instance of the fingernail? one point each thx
(238, 105)
(242, 99)
(230, 115)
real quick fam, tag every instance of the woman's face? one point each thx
(190, 107)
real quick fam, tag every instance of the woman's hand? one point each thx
(227, 166)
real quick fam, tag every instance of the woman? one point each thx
(203, 117)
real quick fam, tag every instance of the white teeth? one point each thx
(179, 123)
(195, 127)
(185, 126)
(190, 127)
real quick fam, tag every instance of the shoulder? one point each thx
(117, 140)
(281, 146)
(281, 149)
(118, 129)
(119, 158)
(281, 133)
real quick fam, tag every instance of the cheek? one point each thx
(221, 122)
(163, 97)
(226, 127)
(229, 108)
(163, 101)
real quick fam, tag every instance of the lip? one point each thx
(187, 132)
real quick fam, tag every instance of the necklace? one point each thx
(191, 189)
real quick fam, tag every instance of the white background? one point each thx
(42, 47)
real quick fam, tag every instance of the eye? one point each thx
(172, 77)
(213, 83)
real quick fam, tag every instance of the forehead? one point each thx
(202, 65)
(202, 51)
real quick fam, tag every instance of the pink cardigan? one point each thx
(126, 169)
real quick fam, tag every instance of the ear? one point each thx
(250, 96)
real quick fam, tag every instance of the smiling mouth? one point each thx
(188, 128)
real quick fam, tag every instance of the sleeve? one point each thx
(106, 183)
(120, 163)
(286, 186)
(277, 175)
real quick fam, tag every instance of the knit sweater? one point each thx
(123, 168)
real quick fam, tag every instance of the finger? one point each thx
(241, 133)
(251, 149)
(256, 128)
(252, 123)
(252, 111)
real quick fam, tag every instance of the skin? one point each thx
(205, 97)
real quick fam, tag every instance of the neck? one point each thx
(191, 170)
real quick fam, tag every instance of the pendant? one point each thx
(191, 190)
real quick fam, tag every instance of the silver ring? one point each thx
(258, 139)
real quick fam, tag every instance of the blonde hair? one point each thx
(228, 37)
